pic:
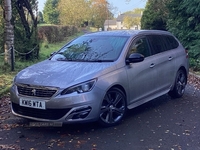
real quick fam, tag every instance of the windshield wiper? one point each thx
(65, 59)
(101, 60)
(83, 60)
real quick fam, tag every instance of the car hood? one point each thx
(62, 74)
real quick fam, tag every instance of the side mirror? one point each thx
(135, 58)
(52, 54)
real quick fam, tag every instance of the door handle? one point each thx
(170, 58)
(152, 65)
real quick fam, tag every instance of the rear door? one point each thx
(164, 61)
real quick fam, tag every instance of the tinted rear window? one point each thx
(161, 43)
(170, 42)
(156, 44)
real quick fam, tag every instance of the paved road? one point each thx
(162, 124)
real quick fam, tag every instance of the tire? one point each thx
(179, 85)
(113, 108)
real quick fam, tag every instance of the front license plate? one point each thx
(32, 104)
(45, 124)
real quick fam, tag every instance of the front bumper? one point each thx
(69, 108)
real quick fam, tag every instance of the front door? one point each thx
(142, 76)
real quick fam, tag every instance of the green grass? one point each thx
(47, 49)
(6, 75)
(93, 29)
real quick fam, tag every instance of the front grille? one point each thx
(36, 91)
(51, 114)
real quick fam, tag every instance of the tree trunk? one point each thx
(9, 31)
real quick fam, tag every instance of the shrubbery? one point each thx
(54, 34)
(180, 17)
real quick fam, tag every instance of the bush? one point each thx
(54, 34)
(194, 55)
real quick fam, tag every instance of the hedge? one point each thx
(54, 34)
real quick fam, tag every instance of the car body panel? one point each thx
(62, 74)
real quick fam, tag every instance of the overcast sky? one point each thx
(121, 5)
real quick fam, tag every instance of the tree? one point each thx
(101, 12)
(131, 18)
(137, 21)
(181, 17)
(74, 12)
(20, 22)
(184, 22)
(22, 5)
(9, 33)
(155, 15)
(50, 12)
(1, 30)
(26, 28)
(128, 21)
(40, 17)
(138, 11)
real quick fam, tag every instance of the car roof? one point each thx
(127, 33)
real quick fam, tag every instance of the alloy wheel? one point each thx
(113, 107)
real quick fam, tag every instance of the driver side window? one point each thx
(140, 45)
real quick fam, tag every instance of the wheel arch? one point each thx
(175, 91)
(185, 71)
(121, 88)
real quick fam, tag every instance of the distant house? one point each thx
(117, 24)
(110, 25)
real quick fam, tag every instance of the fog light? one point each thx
(79, 113)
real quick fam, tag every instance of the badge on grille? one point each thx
(34, 92)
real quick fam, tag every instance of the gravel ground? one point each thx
(194, 80)
(5, 112)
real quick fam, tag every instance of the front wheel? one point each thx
(180, 84)
(113, 107)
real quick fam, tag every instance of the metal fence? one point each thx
(12, 50)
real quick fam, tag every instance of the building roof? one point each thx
(120, 18)
(110, 22)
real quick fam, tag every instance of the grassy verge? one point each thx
(6, 75)
(5, 82)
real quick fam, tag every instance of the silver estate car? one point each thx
(98, 76)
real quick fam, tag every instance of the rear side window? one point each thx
(161, 43)
(170, 42)
(156, 43)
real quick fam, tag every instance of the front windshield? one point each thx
(92, 48)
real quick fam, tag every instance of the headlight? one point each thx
(80, 88)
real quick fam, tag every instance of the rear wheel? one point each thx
(113, 107)
(180, 84)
